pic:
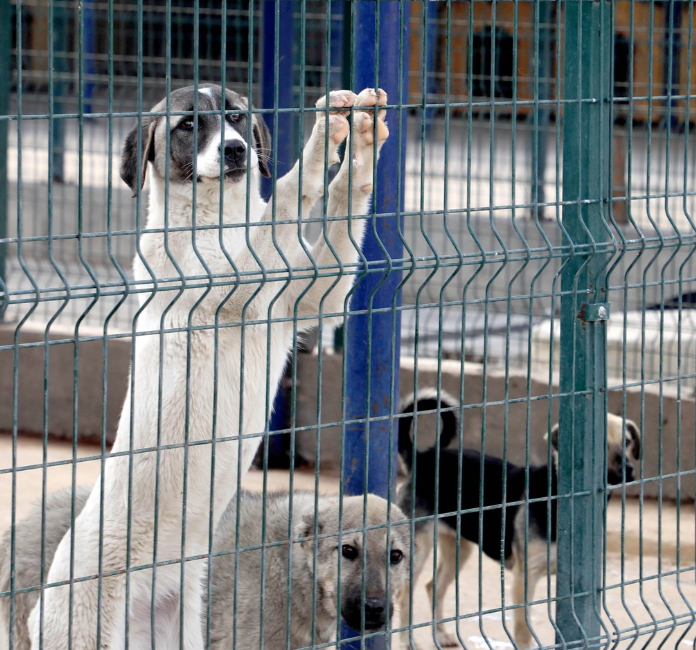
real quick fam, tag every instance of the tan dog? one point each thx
(382, 562)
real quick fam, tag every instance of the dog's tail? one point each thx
(426, 400)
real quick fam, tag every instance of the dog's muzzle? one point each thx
(615, 477)
(377, 611)
(235, 156)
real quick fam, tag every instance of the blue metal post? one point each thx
(337, 31)
(373, 339)
(89, 40)
(276, 79)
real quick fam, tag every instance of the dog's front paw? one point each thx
(364, 121)
(446, 639)
(339, 102)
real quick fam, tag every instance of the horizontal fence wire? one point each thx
(505, 360)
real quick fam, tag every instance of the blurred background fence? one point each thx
(503, 154)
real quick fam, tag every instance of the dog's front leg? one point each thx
(296, 192)
(275, 242)
(349, 194)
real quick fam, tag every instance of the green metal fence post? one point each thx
(5, 79)
(586, 195)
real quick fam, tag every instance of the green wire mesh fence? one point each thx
(529, 262)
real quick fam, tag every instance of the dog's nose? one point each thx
(375, 609)
(235, 153)
(629, 472)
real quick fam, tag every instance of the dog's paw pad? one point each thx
(338, 128)
(365, 128)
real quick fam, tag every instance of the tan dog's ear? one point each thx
(305, 525)
(262, 144)
(129, 156)
(553, 437)
(633, 433)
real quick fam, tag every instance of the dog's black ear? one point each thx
(553, 437)
(634, 434)
(129, 157)
(262, 144)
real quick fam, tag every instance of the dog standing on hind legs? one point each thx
(187, 384)
(449, 463)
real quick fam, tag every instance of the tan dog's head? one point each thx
(362, 544)
(615, 437)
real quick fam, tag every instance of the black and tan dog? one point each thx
(502, 533)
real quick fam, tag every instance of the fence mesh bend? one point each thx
(527, 270)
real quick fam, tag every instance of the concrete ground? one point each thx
(656, 539)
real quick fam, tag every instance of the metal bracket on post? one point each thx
(595, 312)
(373, 340)
(586, 195)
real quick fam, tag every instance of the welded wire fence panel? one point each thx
(517, 267)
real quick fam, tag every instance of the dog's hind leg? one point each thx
(534, 569)
(447, 571)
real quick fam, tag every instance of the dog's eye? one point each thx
(187, 124)
(349, 552)
(233, 117)
(396, 556)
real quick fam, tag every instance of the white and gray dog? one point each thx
(306, 575)
(212, 337)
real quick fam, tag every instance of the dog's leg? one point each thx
(423, 545)
(83, 614)
(534, 570)
(193, 607)
(349, 194)
(277, 234)
(447, 571)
